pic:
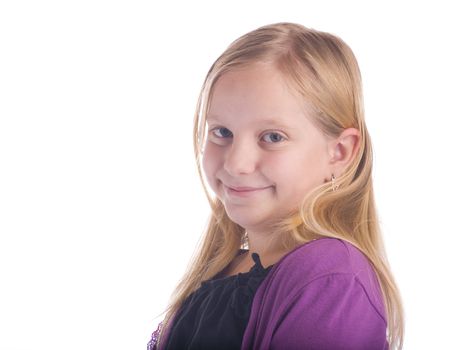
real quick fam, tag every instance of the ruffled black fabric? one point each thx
(216, 315)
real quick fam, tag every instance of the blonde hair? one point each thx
(324, 71)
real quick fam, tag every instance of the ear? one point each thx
(343, 150)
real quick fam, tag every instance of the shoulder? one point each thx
(327, 260)
(322, 295)
(325, 255)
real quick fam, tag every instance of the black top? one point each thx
(215, 316)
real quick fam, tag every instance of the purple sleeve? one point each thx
(332, 311)
(159, 341)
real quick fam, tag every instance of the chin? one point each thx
(245, 221)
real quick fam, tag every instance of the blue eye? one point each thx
(275, 137)
(224, 132)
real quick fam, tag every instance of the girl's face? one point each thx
(262, 154)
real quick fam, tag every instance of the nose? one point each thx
(241, 158)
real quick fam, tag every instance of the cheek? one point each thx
(298, 171)
(211, 164)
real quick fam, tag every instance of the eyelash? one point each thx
(269, 133)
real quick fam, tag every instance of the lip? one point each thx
(244, 191)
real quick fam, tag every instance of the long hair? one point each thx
(323, 70)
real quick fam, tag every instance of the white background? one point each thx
(100, 203)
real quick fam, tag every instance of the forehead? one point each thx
(258, 93)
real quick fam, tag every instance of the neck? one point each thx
(264, 243)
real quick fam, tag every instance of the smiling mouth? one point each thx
(244, 191)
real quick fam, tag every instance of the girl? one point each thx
(292, 256)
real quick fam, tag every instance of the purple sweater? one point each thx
(322, 295)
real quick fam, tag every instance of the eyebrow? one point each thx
(267, 121)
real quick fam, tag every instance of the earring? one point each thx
(333, 184)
